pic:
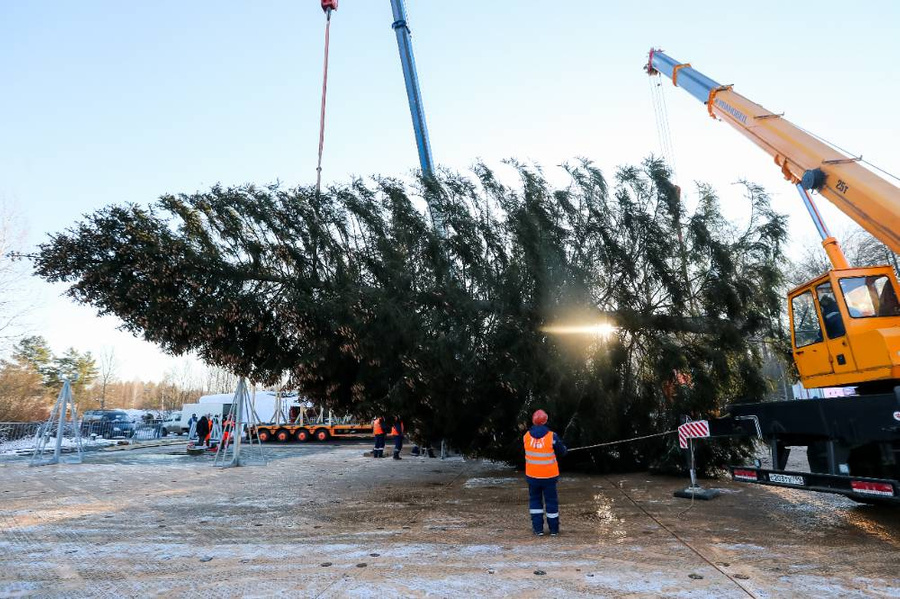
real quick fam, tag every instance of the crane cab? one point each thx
(845, 328)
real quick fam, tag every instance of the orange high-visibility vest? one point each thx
(377, 428)
(396, 432)
(540, 459)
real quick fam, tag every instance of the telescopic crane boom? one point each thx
(804, 159)
(845, 324)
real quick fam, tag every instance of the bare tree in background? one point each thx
(12, 276)
(109, 369)
(219, 380)
(858, 245)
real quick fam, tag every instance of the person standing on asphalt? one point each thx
(542, 447)
(192, 426)
(378, 430)
(202, 430)
(397, 430)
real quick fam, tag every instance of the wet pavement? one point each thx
(325, 521)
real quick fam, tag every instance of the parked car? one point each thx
(107, 424)
(172, 424)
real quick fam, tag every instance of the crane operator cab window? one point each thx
(831, 314)
(806, 323)
(870, 296)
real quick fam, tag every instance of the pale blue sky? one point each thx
(107, 102)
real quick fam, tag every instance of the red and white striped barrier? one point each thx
(692, 430)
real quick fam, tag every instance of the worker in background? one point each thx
(542, 447)
(214, 430)
(227, 427)
(202, 430)
(192, 427)
(422, 445)
(397, 430)
(378, 430)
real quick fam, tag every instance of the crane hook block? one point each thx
(329, 5)
(813, 179)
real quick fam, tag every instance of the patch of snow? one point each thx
(24, 446)
(821, 587)
(474, 483)
(741, 547)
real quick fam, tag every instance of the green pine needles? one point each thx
(355, 299)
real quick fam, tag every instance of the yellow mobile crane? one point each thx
(845, 323)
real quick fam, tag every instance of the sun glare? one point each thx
(600, 329)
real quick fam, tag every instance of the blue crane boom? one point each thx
(413, 93)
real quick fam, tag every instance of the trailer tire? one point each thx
(322, 435)
(264, 435)
(302, 435)
(282, 435)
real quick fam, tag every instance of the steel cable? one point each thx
(324, 93)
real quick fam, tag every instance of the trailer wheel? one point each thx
(322, 435)
(265, 435)
(302, 435)
(283, 435)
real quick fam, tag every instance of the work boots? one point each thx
(397, 455)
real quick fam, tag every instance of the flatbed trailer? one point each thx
(853, 444)
(305, 432)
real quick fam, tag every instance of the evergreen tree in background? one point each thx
(33, 376)
(33, 353)
(79, 367)
(353, 296)
(23, 391)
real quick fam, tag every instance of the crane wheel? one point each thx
(322, 435)
(302, 435)
(283, 435)
(264, 434)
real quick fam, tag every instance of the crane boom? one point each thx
(804, 159)
(413, 93)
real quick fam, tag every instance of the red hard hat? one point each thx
(539, 417)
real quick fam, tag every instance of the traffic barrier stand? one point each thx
(687, 432)
(228, 452)
(60, 429)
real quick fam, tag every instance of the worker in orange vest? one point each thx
(542, 447)
(226, 430)
(397, 430)
(378, 430)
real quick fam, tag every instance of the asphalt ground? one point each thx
(323, 520)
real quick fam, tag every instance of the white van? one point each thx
(172, 424)
(208, 408)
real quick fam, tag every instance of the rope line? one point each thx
(847, 152)
(661, 116)
(609, 443)
(672, 532)
(324, 93)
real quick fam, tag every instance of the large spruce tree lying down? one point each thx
(354, 297)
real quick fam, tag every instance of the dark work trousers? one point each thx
(542, 499)
(398, 444)
(379, 446)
